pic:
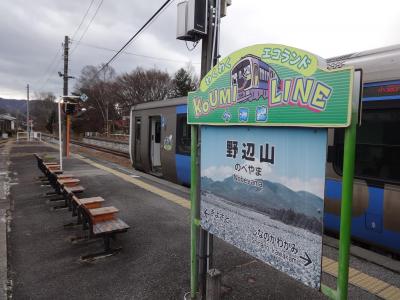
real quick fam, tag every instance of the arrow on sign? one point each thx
(307, 259)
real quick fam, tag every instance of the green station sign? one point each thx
(273, 85)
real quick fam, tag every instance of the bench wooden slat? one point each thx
(103, 210)
(74, 189)
(112, 226)
(68, 182)
(52, 167)
(102, 214)
(91, 200)
(64, 176)
(89, 203)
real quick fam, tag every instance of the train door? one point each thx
(155, 144)
(137, 149)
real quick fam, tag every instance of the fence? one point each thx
(31, 136)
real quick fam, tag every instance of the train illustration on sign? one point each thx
(163, 148)
(251, 76)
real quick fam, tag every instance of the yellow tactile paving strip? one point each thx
(368, 283)
(148, 187)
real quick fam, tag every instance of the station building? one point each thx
(7, 125)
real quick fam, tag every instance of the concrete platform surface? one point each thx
(154, 261)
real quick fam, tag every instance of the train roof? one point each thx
(162, 103)
(381, 64)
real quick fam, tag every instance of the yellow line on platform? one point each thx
(357, 278)
(148, 187)
(368, 283)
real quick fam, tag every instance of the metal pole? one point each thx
(345, 214)
(68, 125)
(194, 212)
(347, 190)
(27, 112)
(59, 133)
(65, 89)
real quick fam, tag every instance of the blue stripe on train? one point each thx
(181, 109)
(369, 226)
(182, 162)
(183, 168)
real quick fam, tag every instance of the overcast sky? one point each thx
(31, 33)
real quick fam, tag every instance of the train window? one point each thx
(256, 77)
(262, 74)
(157, 138)
(183, 135)
(377, 148)
(137, 128)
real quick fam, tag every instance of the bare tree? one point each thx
(112, 97)
(141, 86)
(42, 109)
(97, 82)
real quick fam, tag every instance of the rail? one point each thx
(53, 139)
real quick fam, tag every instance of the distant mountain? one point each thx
(13, 106)
(273, 196)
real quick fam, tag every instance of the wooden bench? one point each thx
(88, 203)
(65, 176)
(79, 205)
(68, 182)
(69, 191)
(106, 230)
(102, 214)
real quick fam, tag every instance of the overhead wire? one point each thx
(50, 69)
(83, 19)
(87, 27)
(148, 22)
(135, 54)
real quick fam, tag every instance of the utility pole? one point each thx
(27, 114)
(65, 75)
(65, 93)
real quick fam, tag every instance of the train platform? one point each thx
(44, 263)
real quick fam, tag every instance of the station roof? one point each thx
(6, 117)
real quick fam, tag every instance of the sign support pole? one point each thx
(345, 214)
(347, 189)
(194, 212)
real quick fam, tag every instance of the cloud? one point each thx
(218, 173)
(313, 185)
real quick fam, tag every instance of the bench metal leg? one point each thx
(108, 251)
(49, 194)
(59, 207)
(56, 199)
(106, 240)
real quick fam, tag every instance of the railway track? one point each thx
(95, 147)
(3, 142)
(102, 149)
